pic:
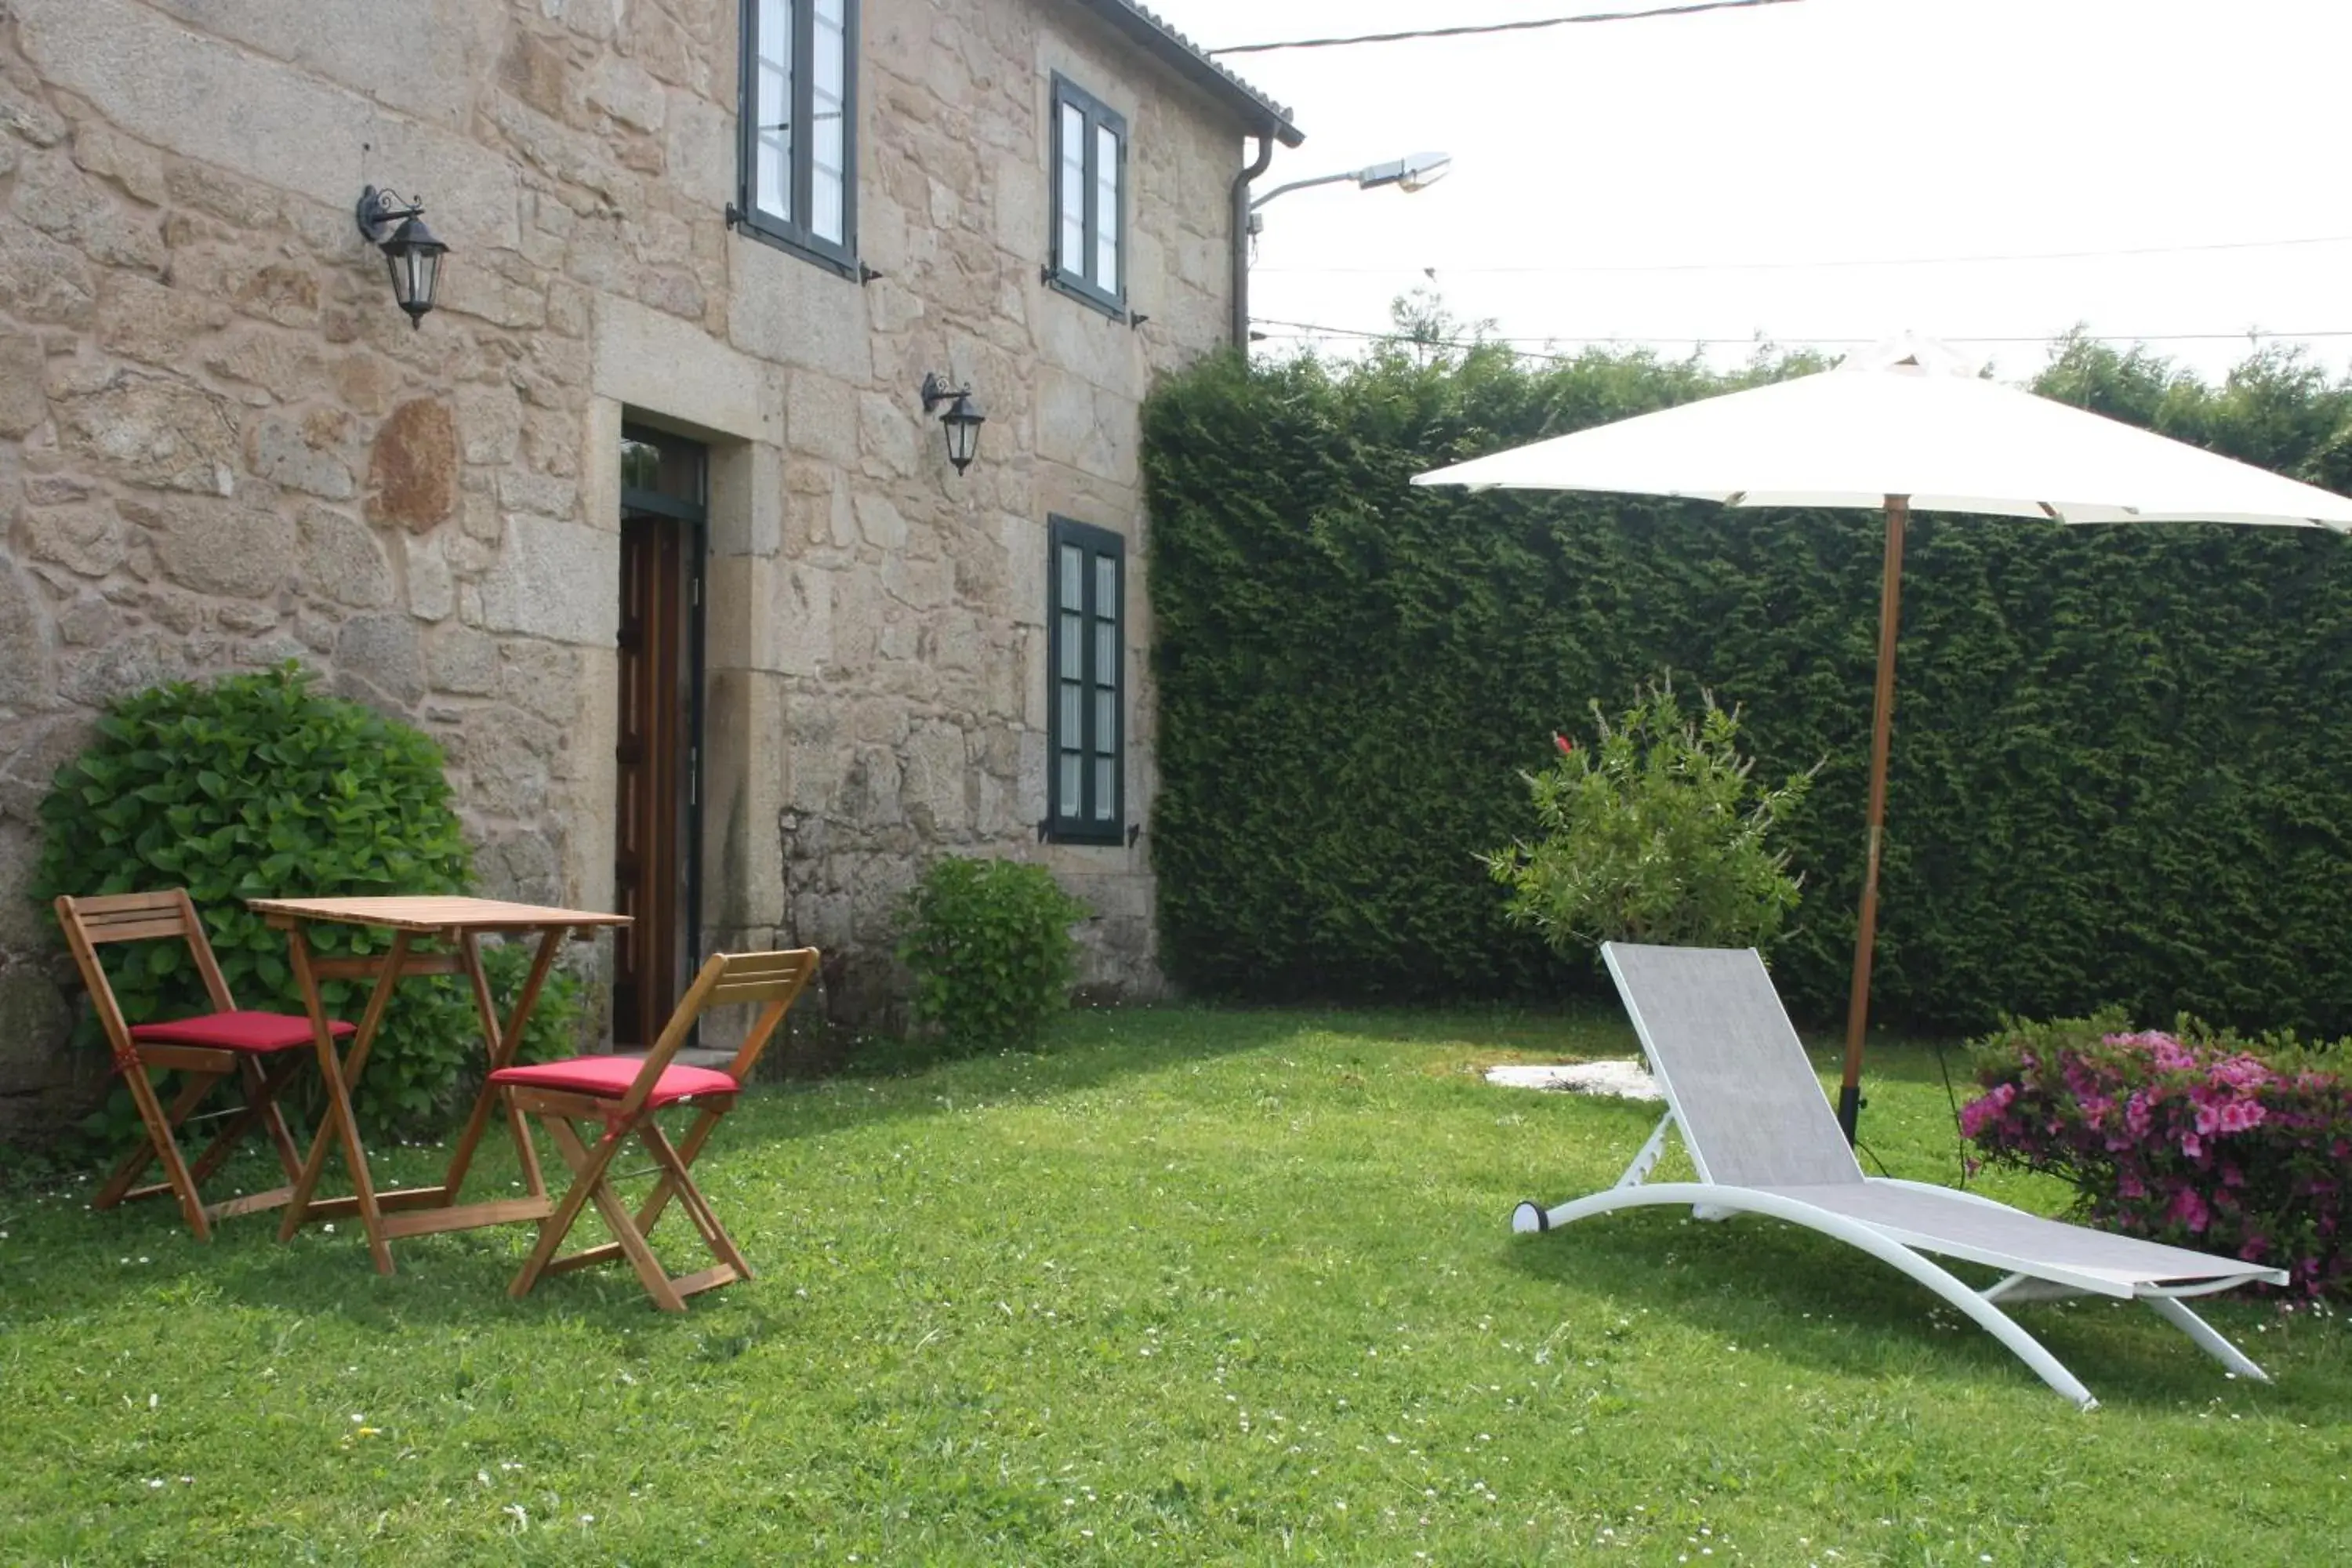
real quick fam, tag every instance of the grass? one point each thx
(1191, 1286)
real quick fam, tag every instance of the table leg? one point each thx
(534, 1178)
(340, 1122)
(503, 1044)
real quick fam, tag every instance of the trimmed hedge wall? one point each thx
(2123, 757)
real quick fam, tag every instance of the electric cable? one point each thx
(1827, 264)
(1953, 1100)
(1462, 32)
(1699, 340)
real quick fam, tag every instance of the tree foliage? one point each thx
(2120, 769)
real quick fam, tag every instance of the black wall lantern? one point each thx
(410, 249)
(961, 421)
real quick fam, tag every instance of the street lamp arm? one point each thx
(1300, 185)
(1415, 172)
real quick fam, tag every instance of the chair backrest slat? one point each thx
(729, 978)
(133, 928)
(133, 917)
(1751, 1112)
(99, 904)
(752, 990)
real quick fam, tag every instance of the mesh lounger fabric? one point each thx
(1752, 1113)
(1754, 1116)
(1959, 1226)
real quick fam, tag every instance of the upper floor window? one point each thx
(800, 125)
(1086, 728)
(1089, 197)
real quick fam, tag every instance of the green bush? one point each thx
(257, 786)
(990, 943)
(1654, 834)
(2116, 775)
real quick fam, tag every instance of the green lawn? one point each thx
(1194, 1286)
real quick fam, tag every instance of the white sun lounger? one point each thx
(1760, 1133)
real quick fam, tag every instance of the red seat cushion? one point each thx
(238, 1031)
(609, 1078)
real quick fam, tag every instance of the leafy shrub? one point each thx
(990, 943)
(258, 786)
(2189, 1138)
(1655, 834)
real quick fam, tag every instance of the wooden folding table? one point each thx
(430, 935)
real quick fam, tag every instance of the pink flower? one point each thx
(1567, 747)
(2244, 1072)
(2240, 1115)
(1975, 1113)
(2188, 1209)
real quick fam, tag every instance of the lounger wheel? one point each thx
(1529, 1218)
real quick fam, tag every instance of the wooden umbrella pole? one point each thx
(1857, 1015)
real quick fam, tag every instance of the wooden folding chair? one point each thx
(226, 1042)
(621, 1094)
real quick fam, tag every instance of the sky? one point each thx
(1783, 171)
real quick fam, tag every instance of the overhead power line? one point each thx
(1699, 340)
(1831, 262)
(1462, 32)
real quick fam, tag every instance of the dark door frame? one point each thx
(696, 516)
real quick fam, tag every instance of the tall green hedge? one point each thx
(2123, 757)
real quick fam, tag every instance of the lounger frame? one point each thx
(2024, 1278)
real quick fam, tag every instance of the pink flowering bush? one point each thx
(2191, 1138)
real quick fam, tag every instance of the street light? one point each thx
(1413, 173)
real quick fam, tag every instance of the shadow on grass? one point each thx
(1788, 1294)
(67, 1264)
(1099, 1047)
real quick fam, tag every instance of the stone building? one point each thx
(647, 521)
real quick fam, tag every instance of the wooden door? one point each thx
(658, 736)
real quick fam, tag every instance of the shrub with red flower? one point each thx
(2192, 1138)
(1655, 831)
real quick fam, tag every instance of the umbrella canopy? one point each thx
(1908, 418)
(1907, 425)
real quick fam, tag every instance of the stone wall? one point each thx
(222, 446)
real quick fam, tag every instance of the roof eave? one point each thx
(1258, 113)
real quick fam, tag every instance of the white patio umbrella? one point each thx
(1908, 426)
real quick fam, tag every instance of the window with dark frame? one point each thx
(799, 115)
(1089, 197)
(1086, 720)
